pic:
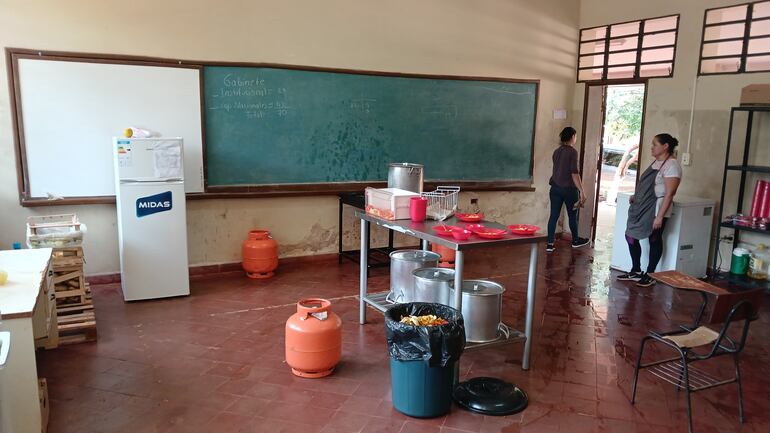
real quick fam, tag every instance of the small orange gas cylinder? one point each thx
(260, 254)
(447, 255)
(313, 339)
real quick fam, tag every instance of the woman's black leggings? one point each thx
(656, 250)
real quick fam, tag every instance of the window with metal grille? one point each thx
(736, 39)
(635, 49)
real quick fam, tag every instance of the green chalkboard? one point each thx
(289, 126)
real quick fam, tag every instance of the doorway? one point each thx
(613, 121)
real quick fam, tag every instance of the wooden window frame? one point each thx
(746, 38)
(637, 64)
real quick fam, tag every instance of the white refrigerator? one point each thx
(152, 222)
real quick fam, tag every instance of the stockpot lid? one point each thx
(490, 396)
(405, 165)
(434, 274)
(415, 256)
(481, 288)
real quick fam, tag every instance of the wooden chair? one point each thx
(697, 342)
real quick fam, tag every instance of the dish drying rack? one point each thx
(442, 203)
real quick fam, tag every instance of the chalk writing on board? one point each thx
(442, 110)
(362, 105)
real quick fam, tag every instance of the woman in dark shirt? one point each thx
(566, 188)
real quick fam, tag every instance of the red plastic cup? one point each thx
(418, 208)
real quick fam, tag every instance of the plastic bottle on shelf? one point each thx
(758, 263)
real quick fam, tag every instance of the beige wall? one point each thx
(669, 99)
(505, 38)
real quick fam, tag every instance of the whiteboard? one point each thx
(71, 110)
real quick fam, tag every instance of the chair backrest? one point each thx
(724, 303)
(729, 309)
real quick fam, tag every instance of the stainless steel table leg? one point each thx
(424, 245)
(531, 283)
(458, 299)
(364, 265)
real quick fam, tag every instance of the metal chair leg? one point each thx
(636, 369)
(740, 388)
(687, 393)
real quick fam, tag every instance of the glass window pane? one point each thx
(659, 39)
(656, 70)
(624, 29)
(589, 74)
(759, 28)
(722, 48)
(592, 47)
(665, 23)
(724, 32)
(761, 10)
(758, 63)
(715, 66)
(588, 61)
(594, 33)
(620, 72)
(626, 43)
(622, 58)
(761, 45)
(657, 55)
(726, 14)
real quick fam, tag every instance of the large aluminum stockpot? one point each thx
(432, 285)
(482, 309)
(405, 175)
(402, 263)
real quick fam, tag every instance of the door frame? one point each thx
(605, 84)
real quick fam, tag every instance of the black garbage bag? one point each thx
(436, 345)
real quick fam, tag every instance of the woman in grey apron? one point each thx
(650, 206)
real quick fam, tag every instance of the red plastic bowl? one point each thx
(461, 234)
(444, 230)
(470, 217)
(523, 229)
(474, 227)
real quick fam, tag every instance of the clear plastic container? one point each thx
(389, 203)
(759, 263)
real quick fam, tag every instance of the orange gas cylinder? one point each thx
(313, 339)
(447, 255)
(260, 254)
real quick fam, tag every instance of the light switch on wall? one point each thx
(559, 114)
(686, 158)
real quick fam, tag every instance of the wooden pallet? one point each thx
(77, 322)
(69, 278)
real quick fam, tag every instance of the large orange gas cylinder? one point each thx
(260, 254)
(447, 255)
(313, 339)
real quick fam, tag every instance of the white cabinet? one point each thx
(28, 313)
(686, 237)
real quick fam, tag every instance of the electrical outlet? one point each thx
(686, 158)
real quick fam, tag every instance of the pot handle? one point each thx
(504, 329)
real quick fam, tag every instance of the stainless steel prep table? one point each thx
(424, 232)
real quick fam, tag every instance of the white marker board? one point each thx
(71, 110)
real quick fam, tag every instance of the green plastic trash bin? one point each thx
(423, 359)
(419, 390)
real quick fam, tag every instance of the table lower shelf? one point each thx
(379, 302)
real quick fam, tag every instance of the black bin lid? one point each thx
(490, 396)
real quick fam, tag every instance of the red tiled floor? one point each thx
(213, 362)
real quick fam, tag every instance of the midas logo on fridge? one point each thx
(153, 204)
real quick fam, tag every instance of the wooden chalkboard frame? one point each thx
(240, 191)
